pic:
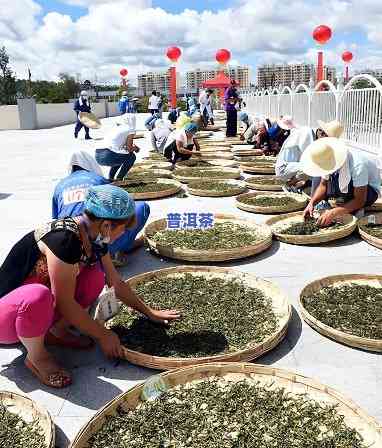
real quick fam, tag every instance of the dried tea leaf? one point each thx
(265, 180)
(270, 201)
(308, 227)
(214, 186)
(218, 316)
(372, 229)
(16, 433)
(224, 235)
(146, 187)
(195, 172)
(354, 309)
(216, 413)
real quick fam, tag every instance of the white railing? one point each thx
(358, 109)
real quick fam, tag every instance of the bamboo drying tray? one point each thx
(176, 187)
(243, 147)
(203, 134)
(339, 336)
(212, 148)
(354, 416)
(376, 207)
(252, 167)
(177, 253)
(254, 350)
(213, 128)
(301, 203)
(373, 240)
(229, 173)
(30, 411)
(213, 155)
(212, 162)
(262, 186)
(237, 188)
(148, 164)
(281, 222)
(164, 174)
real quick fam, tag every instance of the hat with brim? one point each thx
(324, 157)
(286, 123)
(332, 128)
(89, 120)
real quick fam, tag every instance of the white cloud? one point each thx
(131, 33)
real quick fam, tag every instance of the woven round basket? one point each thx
(176, 187)
(177, 253)
(252, 167)
(279, 223)
(354, 416)
(164, 174)
(212, 162)
(153, 164)
(374, 345)
(213, 128)
(215, 155)
(300, 205)
(214, 143)
(89, 120)
(243, 147)
(373, 240)
(254, 350)
(229, 173)
(252, 183)
(237, 188)
(30, 411)
(376, 207)
(203, 134)
(212, 149)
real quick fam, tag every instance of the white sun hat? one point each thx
(332, 128)
(324, 157)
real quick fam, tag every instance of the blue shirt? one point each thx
(84, 107)
(69, 194)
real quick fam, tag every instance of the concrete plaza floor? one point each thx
(31, 163)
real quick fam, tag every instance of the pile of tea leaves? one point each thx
(214, 186)
(308, 227)
(195, 172)
(223, 235)
(218, 316)
(146, 175)
(146, 187)
(217, 413)
(270, 201)
(156, 156)
(16, 433)
(372, 229)
(196, 163)
(354, 309)
(264, 180)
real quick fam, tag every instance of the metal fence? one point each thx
(358, 109)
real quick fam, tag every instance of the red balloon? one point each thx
(123, 72)
(223, 56)
(173, 53)
(347, 56)
(322, 34)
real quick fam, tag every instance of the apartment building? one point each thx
(273, 75)
(195, 78)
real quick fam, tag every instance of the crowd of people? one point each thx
(56, 272)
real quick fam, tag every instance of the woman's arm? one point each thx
(196, 143)
(124, 293)
(319, 195)
(182, 149)
(63, 279)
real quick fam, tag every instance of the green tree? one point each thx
(7, 79)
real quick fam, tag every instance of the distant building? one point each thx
(274, 75)
(195, 78)
(158, 81)
(377, 73)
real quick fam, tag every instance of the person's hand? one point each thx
(196, 153)
(328, 217)
(110, 344)
(309, 210)
(164, 316)
(136, 148)
(242, 138)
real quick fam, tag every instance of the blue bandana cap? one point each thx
(243, 116)
(109, 202)
(191, 128)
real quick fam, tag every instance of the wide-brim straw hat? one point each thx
(332, 128)
(324, 157)
(89, 120)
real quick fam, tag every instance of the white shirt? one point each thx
(154, 102)
(116, 139)
(180, 136)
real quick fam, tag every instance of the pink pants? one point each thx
(29, 311)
